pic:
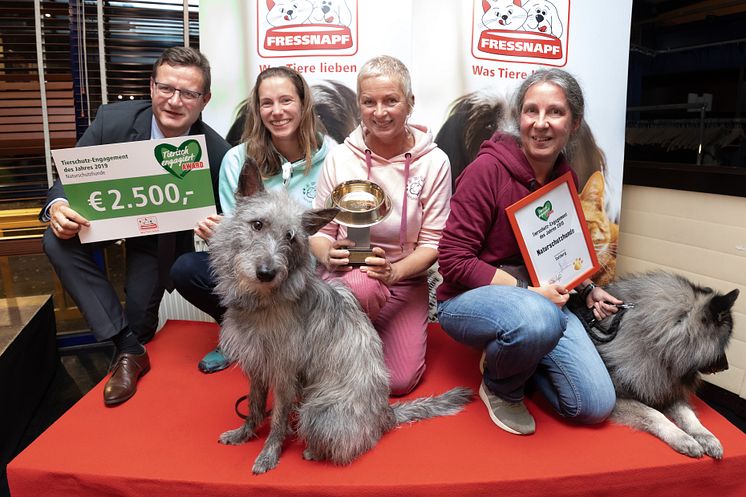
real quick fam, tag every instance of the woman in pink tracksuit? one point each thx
(403, 159)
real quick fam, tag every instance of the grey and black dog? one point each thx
(675, 331)
(306, 339)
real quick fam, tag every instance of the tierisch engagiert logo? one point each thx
(306, 27)
(527, 31)
(179, 160)
(544, 211)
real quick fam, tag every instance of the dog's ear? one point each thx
(314, 220)
(720, 303)
(250, 179)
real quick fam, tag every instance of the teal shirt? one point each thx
(302, 187)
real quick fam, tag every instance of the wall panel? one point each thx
(698, 235)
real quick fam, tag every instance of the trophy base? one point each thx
(357, 256)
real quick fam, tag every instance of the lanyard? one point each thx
(407, 164)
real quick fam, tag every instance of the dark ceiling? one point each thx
(676, 12)
(682, 50)
(679, 47)
(665, 25)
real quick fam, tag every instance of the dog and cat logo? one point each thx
(147, 224)
(309, 192)
(414, 187)
(306, 27)
(528, 31)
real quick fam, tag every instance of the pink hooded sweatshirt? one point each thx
(426, 182)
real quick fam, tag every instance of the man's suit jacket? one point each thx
(131, 121)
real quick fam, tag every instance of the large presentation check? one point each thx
(137, 188)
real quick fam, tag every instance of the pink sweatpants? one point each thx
(399, 314)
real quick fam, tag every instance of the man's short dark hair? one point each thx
(185, 56)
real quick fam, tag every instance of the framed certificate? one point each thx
(553, 235)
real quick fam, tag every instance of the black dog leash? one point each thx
(238, 403)
(242, 415)
(592, 326)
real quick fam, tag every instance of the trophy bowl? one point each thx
(361, 203)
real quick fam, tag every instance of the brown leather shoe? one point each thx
(122, 385)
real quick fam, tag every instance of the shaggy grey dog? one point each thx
(306, 339)
(676, 331)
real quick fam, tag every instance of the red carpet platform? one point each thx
(163, 442)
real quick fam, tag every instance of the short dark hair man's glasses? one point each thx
(168, 90)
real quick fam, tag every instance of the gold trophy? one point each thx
(361, 204)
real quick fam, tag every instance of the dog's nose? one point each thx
(265, 274)
(539, 17)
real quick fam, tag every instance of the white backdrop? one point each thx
(451, 48)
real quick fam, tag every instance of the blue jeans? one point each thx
(193, 279)
(527, 337)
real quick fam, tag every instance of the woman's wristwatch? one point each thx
(521, 283)
(586, 290)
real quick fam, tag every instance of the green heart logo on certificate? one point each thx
(173, 159)
(543, 211)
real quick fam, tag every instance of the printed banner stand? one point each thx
(489, 47)
(553, 235)
(137, 188)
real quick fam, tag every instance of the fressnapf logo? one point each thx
(528, 31)
(147, 224)
(293, 28)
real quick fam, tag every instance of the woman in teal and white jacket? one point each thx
(283, 136)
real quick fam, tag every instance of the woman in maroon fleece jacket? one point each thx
(527, 333)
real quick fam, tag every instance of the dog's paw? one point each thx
(309, 455)
(265, 461)
(710, 444)
(687, 445)
(237, 436)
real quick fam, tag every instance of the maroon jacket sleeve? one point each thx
(474, 207)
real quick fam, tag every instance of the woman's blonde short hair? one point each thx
(392, 68)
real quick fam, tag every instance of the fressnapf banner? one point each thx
(306, 28)
(476, 51)
(531, 32)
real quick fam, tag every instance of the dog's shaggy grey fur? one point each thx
(306, 339)
(676, 331)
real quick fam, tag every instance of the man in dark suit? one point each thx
(179, 90)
